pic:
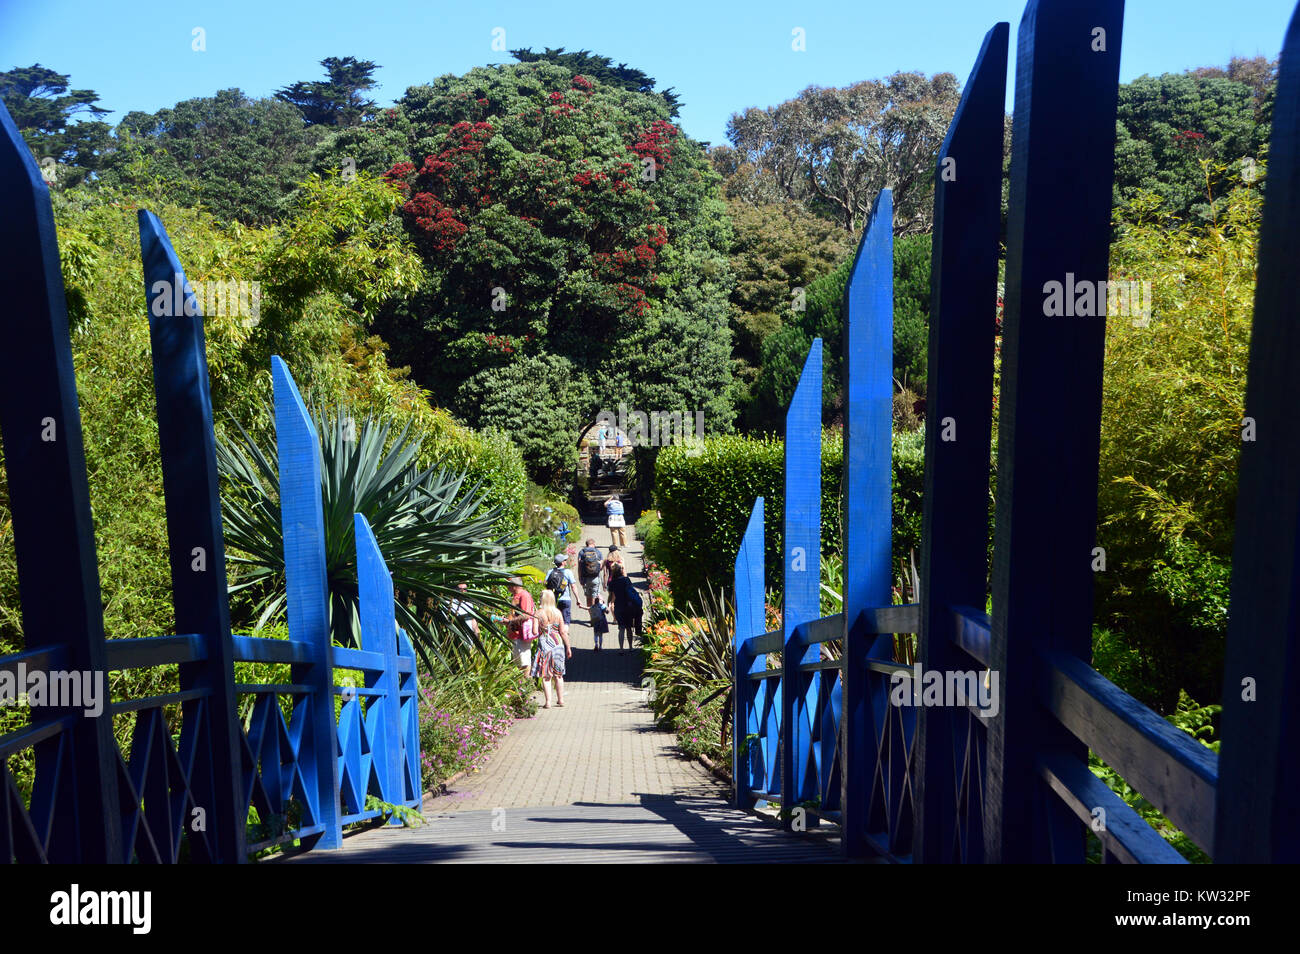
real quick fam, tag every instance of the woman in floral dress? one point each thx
(552, 648)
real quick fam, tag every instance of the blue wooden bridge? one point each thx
(979, 753)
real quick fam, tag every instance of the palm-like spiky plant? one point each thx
(433, 531)
(703, 665)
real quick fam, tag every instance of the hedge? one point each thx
(705, 500)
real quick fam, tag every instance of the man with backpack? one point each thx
(589, 569)
(560, 581)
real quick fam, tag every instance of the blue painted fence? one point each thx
(183, 787)
(835, 730)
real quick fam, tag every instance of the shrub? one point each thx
(543, 514)
(648, 529)
(1172, 408)
(705, 500)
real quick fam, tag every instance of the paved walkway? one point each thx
(610, 785)
(602, 747)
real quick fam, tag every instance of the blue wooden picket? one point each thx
(949, 793)
(74, 813)
(801, 553)
(183, 787)
(868, 350)
(999, 772)
(750, 757)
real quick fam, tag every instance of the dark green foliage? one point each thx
(911, 310)
(43, 107)
(239, 156)
(338, 100)
(1165, 126)
(778, 251)
(538, 401)
(601, 69)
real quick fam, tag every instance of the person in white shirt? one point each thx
(614, 519)
(461, 608)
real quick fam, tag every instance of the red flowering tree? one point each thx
(572, 237)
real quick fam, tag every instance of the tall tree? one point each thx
(575, 250)
(835, 149)
(241, 157)
(44, 108)
(339, 99)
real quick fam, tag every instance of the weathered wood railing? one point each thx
(166, 799)
(998, 771)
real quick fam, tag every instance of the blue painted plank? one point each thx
(49, 500)
(1058, 231)
(959, 411)
(379, 635)
(801, 542)
(1256, 817)
(751, 621)
(307, 588)
(196, 548)
(867, 503)
(409, 689)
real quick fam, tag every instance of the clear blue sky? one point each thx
(720, 57)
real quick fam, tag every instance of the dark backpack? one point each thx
(555, 582)
(633, 595)
(589, 563)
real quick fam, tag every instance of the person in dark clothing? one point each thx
(626, 601)
(599, 622)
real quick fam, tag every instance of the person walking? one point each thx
(462, 608)
(615, 520)
(560, 581)
(519, 624)
(626, 601)
(589, 570)
(553, 649)
(615, 558)
(599, 622)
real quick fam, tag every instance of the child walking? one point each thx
(599, 621)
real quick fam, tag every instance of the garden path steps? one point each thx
(592, 781)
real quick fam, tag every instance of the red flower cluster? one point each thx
(398, 174)
(657, 142)
(1188, 137)
(435, 219)
(500, 342)
(450, 183)
(582, 83)
(631, 298)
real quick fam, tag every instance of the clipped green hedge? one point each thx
(705, 501)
